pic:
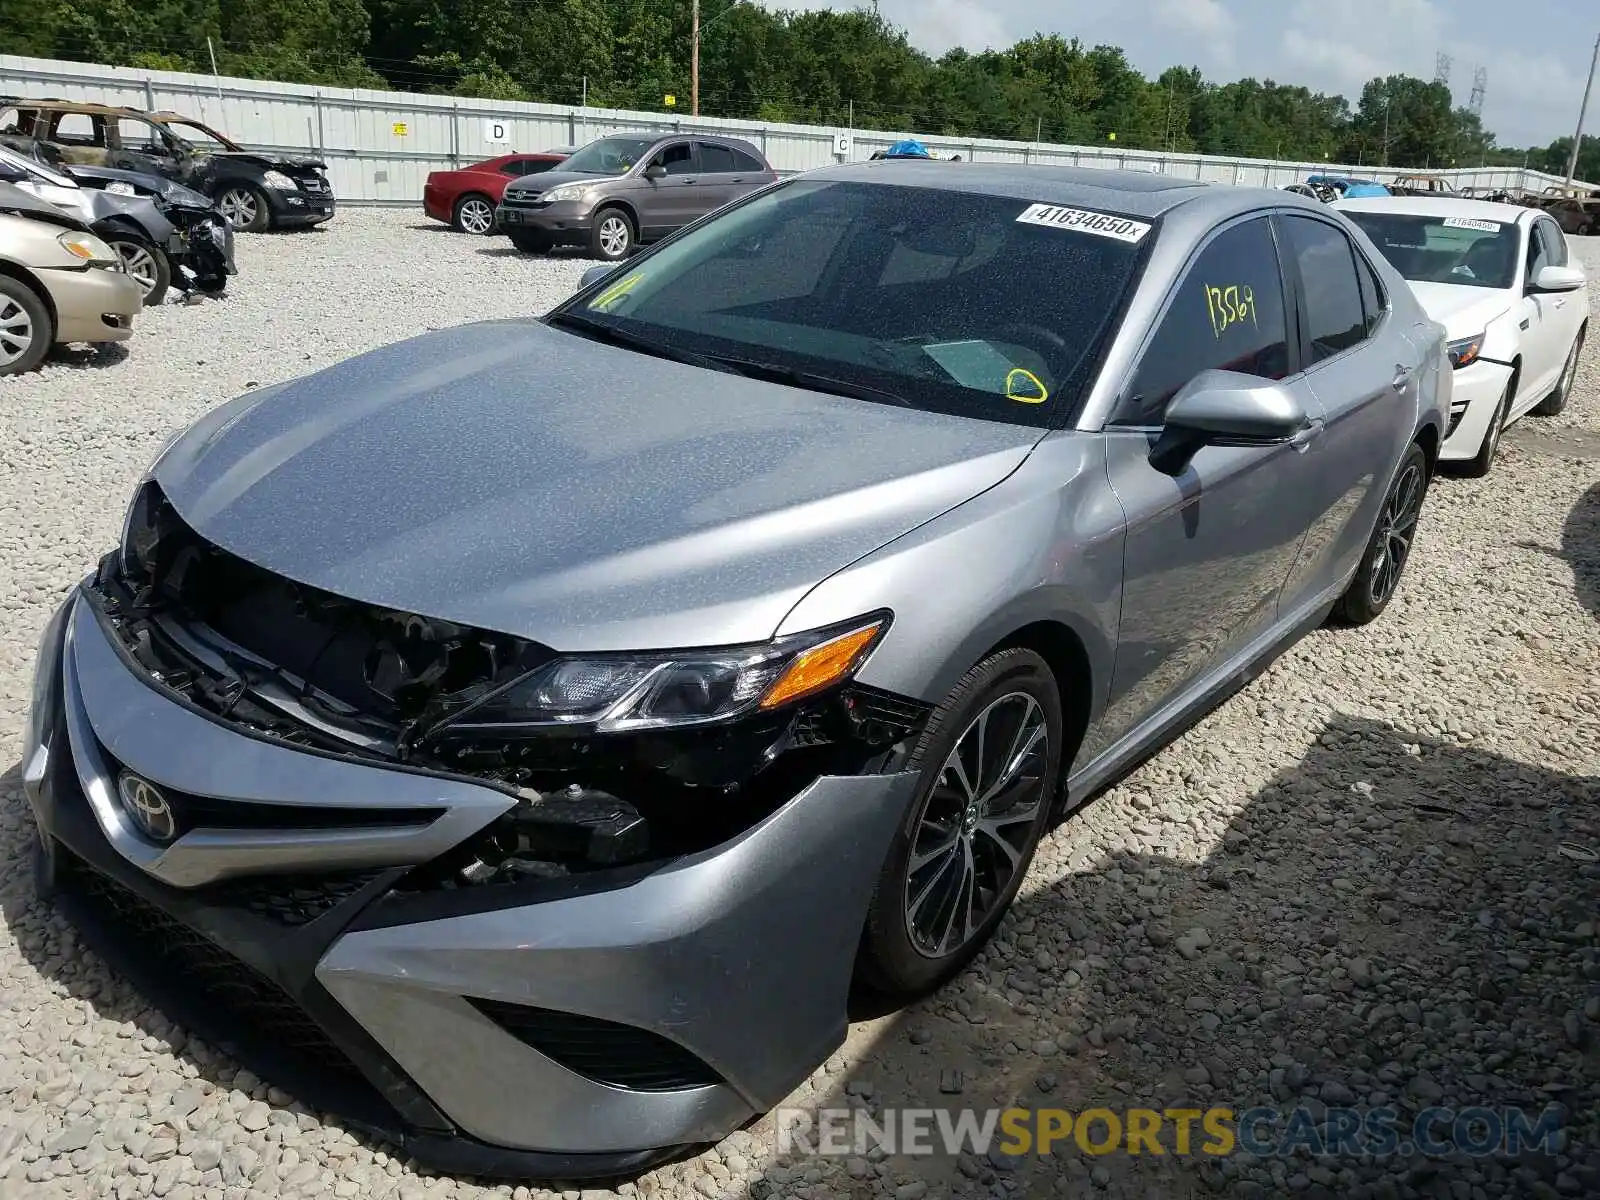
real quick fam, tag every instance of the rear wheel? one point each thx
(1389, 548)
(613, 235)
(1557, 400)
(474, 214)
(26, 330)
(990, 759)
(147, 265)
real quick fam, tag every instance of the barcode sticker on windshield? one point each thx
(1100, 224)
(1471, 223)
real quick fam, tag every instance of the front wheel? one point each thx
(990, 759)
(26, 331)
(147, 265)
(1556, 401)
(1478, 466)
(245, 207)
(613, 237)
(1389, 549)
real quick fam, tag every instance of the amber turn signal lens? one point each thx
(814, 669)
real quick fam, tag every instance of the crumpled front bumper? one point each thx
(1475, 397)
(571, 1028)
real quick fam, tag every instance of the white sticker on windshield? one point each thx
(1101, 224)
(1471, 223)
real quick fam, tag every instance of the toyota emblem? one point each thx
(147, 808)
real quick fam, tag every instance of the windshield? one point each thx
(198, 136)
(976, 305)
(608, 156)
(34, 171)
(1469, 251)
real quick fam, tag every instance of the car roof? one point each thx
(55, 104)
(1137, 193)
(1438, 206)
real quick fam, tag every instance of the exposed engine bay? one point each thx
(284, 661)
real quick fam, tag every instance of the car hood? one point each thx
(533, 185)
(166, 190)
(281, 162)
(515, 477)
(1462, 310)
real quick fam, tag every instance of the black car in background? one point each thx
(255, 190)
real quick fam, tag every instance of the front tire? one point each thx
(1478, 466)
(146, 264)
(613, 237)
(474, 214)
(245, 207)
(1556, 401)
(1389, 548)
(990, 760)
(26, 330)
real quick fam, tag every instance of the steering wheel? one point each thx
(1035, 333)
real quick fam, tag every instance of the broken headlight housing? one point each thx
(615, 693)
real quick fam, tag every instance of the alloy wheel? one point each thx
(476, 216)
(16, 331)
(614, 235)
(239, 207)
(1570, 373)
(140, 264)
(972, 833)
(1397, 526)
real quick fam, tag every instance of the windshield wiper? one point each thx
(585, 327)
(813, 381)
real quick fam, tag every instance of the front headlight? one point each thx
(565, 191)
(279, 181)
(1464, 351)
(614, 693)
(87, 247)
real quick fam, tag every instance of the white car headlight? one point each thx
(88, 247)
(1464, 352)
(566, 191)
(280, 181)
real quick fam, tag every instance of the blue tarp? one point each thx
(909, 148)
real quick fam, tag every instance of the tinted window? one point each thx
(512, 168)
(534, 166)
(1331, 312)
(1427, 249)
(716, 159)
(1555, 243)
(1538, 256)
(1227, 314)
(747, 162)
(943, 300)
(1373, 302)
(677, 158)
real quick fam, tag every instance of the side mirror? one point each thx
(655, 171)
(595, 275)
(1559, 279)
(1225, 408)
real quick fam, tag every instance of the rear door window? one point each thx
(1332, 312)
(77, 129)
(1226, 314)
(716, 159)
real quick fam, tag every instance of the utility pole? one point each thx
(1583, 110)
(694, 60)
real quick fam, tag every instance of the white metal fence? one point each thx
(380, 146)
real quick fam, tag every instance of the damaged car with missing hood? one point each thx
(255, 190)
(520, 739)
(165, 233)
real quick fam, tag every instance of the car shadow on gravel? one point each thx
(1395, 921)
(1580, 546)
(88, 357)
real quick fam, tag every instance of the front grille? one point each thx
(315, 184)
(286, 899)
(226, 989)
(620, 1055)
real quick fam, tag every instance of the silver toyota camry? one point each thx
(521, 739)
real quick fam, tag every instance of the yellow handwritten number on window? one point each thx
(1025, 387)
(1230, 306)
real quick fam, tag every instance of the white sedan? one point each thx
(1500, 279)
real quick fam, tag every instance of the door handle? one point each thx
(1311, 432)
(1402, 376)
(1560, 302)
(686, 179)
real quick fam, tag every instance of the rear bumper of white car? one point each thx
(1474, 398)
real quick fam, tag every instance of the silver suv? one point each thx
(620, 191)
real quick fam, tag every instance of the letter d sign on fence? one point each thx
(495, 132)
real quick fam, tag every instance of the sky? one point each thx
(1536, 51)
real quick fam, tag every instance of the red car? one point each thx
(467, 196)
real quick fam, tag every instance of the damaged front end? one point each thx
(202, 249)
(613, 759)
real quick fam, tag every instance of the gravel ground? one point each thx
(1344, 887)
